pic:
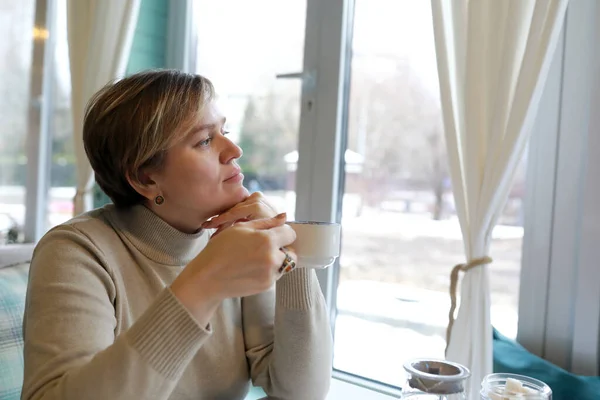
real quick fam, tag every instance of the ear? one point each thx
(144, 184)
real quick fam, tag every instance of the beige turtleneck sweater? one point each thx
(101, 323)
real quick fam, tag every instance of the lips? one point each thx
(234, 175)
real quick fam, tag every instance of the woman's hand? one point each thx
(255, 206)
(243, 260)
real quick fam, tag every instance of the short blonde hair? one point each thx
(130, 124)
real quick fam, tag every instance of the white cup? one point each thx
(317, 244)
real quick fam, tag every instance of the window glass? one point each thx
(62, 168)
(401, 235)
(16, 46)
(262, 111)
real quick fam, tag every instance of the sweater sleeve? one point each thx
(288, 338)
(71, 351)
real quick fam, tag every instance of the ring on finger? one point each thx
(288, 264)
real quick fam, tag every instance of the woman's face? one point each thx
(200, 176)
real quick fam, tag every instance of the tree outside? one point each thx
(269, 130)
(394, 123)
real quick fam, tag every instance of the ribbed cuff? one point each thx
(167, 335)
(296, 290)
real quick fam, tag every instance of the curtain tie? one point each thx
(476, 262)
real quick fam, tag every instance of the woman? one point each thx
(136, 301)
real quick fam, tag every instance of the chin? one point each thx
(239, 196)
(244, 193)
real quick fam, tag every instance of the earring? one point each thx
(158, 200)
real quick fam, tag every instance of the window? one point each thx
(16, 29)
(401, 235)
(22, 126)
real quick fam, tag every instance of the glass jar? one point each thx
(434, 380)
(493, 388)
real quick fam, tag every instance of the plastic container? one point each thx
(493, 388)
(434, 380)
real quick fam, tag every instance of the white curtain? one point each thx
(100, 33)
(493, 58)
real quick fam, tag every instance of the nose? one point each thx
(230, 151)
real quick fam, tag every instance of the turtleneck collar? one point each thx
(155, 238)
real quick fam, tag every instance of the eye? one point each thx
(224, 132)
(204, 143)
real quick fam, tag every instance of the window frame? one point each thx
(39, 135)
(319, 177)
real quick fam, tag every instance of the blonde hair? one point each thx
(130, 125)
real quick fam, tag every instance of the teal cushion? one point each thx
(13, 286)
(511, 357)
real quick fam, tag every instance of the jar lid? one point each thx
(436, 376)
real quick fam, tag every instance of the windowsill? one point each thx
(344, 387)
(342, 390)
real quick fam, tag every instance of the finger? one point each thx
(266, 204)
(267, 223)
(282, 236)
(258, 197)
(221, 229)
(234, 214)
